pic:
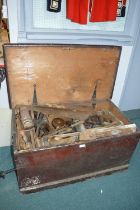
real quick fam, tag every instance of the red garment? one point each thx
(124, 2)
(90, 5)
(77, 11)
(70, 9)
(101, 10)
(84, 7)
(104, 10)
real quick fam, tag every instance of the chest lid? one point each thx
(61, 73)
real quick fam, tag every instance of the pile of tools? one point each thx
(38, 130)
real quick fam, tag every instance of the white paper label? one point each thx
(82, 145)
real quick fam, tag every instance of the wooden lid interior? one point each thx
(62, 73)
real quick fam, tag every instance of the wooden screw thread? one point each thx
(26, 118)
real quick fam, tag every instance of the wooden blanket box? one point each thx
(64, 126)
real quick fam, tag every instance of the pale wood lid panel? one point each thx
(61, 73)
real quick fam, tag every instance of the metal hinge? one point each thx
(34, 101)
(94, 95)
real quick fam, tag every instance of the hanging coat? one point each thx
(104, 10)
(77, 11)
(101, 10)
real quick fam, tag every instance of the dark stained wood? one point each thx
(66, 162)
(65, 77)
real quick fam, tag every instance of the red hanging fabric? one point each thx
(73, 10)
(77, 11)
(124, 2)
(84, 7)
(104, 10)
(90, 5)
(101, 10)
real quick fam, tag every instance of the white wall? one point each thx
(131, 94)
(5, 117)
(5, 127)
(13, 19)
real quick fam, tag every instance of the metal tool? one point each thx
(58, 123)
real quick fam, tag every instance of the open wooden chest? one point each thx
(64, 126)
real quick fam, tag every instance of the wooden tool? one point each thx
(21, 139)
(59, 140)
(32, 138)
(37, 142)
(26, 118)
(96, 133)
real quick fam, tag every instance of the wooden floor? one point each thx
(120, 191)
